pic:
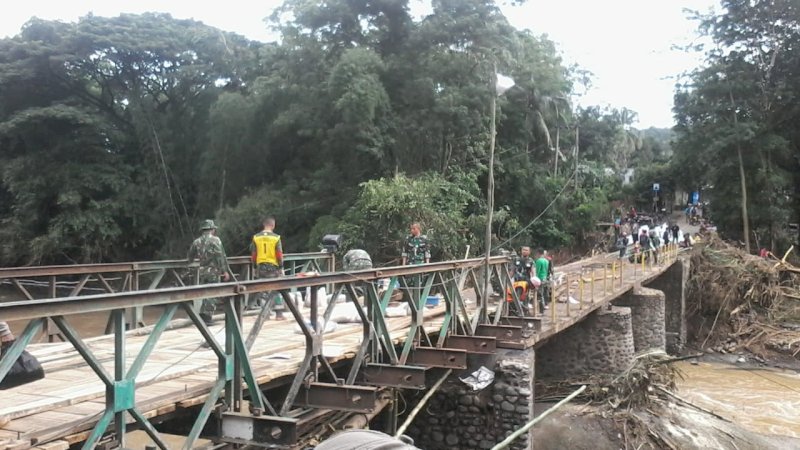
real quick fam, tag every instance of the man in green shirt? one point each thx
(543, 274)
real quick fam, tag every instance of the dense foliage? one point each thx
(737, 117)
(118, 135)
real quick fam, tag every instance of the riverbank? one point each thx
(671, 425)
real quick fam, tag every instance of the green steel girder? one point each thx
(233, 360)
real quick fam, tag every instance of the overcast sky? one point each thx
(629, 45)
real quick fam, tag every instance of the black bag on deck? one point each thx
(26, 369)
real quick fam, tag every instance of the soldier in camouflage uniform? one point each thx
(208, 250)
(357, 259)
(416, 249)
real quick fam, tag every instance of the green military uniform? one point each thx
(209, 252)
(523, 268)
(357, 259)
(416, 249)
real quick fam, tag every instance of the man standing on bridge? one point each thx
(208, 250)
(266, 252)
(416, 249)
(543, 273)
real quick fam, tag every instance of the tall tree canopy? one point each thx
(736, 115)
(118, 135)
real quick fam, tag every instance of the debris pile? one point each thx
(743, 301)
(647, 378)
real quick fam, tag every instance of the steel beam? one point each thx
(359, 399)
(447, 358)
(501, 332)
(406, 377)
(259, 431)
(472, 344)
(526, 323)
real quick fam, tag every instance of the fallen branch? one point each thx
(688, 403)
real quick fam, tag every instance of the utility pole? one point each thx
(487, 287)
(558, 141)
(577, 150)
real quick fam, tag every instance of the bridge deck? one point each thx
(63, 407)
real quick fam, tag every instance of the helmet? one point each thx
(208, 225)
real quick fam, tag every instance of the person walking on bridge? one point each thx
(266, 252)
(208, 250)
(543, 273)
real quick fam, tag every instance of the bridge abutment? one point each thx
(457, 418)
(603, 343)
(673, 284)
(647, 318)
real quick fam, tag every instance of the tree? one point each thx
(733, 114)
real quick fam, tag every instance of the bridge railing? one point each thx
(38, 282)
(468, 325)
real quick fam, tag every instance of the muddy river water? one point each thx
(762, 400)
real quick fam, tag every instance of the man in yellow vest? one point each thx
(267, 255)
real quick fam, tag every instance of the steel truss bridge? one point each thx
(97, 389)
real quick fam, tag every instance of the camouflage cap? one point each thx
(208, 225)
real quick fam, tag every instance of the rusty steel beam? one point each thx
(526, 323)
(472, 344)
(22, 310)
(260, 431)
(353, 398)
(387, 375)
(138, 266)
(500, 332)
(447, 358)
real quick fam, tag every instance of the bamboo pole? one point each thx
(605, 280)
(580, 294)
(553, 303)
(507, 441)
(642, 254)
(613, 274)
(421, 403)
(566, 280)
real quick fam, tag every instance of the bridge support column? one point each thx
(647, 318)
(603, 343)
(458, 418)
(673, 284)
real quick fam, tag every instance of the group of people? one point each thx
(642, 241)
(537, 272)
(266, 253)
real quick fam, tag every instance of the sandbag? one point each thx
(26, 369)
(345, 313)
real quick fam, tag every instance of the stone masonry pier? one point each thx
(603, 343)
